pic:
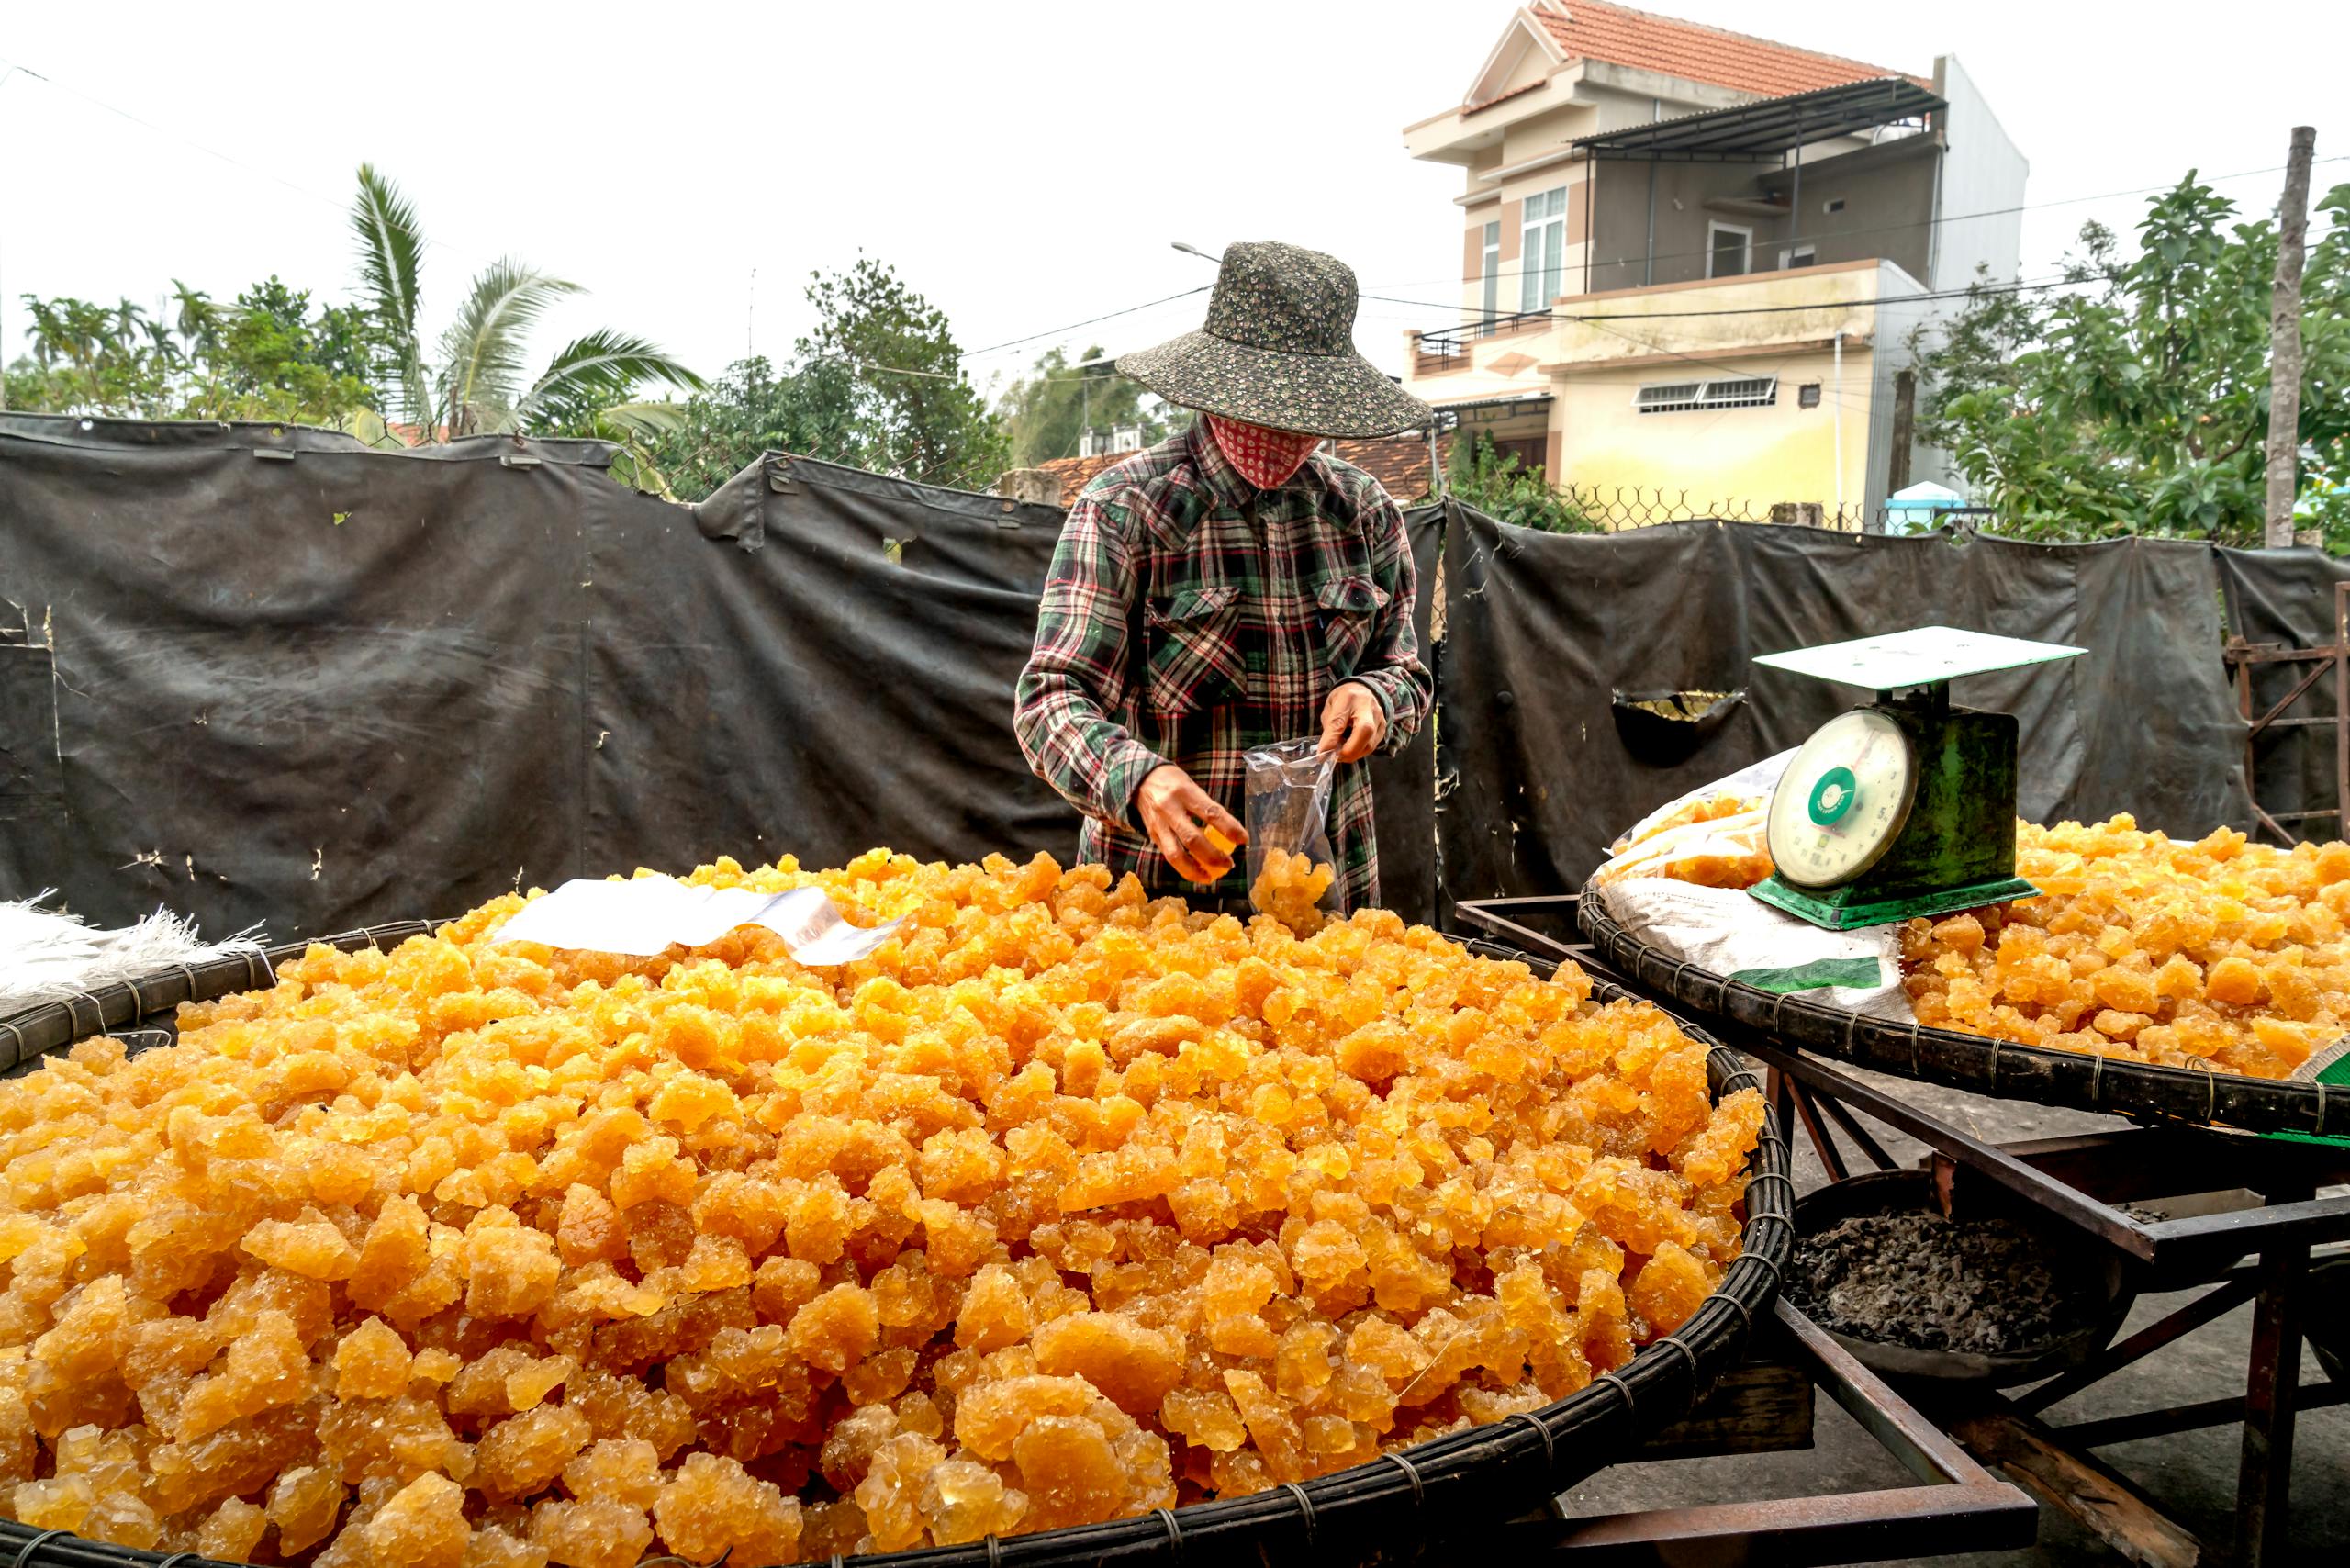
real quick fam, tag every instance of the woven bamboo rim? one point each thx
(1388, 1510)
(2073, 1080)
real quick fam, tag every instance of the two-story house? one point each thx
(1693, 261)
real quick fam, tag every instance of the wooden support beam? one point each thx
(1759, 1407)
(2105, 1504)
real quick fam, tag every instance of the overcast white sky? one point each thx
(1025, 165)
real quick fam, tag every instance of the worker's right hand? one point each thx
(1177, 813)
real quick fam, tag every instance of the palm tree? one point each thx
(474, 384)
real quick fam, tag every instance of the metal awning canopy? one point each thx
(1767, 130)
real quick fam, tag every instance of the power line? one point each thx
(1975, 291)
(1073, 326)
(208, 151)
(1894, 227)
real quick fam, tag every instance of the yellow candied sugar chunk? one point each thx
(2218, 953)
(1066, 1205)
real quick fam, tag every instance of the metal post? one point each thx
(1795, 212)
(1648, 262)
(1590, 222)
(2251, 749)
(2285, 340)
(1836, 422)
(2341, 713)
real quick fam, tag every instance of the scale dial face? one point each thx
(1842, 800)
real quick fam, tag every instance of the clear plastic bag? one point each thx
(1722, 852)
(1747, 789)
(1292, 873)
(1697, 808)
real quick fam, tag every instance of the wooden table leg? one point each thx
(2265, 1479)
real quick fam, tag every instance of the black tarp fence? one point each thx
(1544, 628)
(267, 675)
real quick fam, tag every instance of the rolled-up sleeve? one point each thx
(1076, 676)
(1390, 666)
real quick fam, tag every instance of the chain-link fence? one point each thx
(1610, 508)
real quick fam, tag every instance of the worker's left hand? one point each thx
(1353, 722)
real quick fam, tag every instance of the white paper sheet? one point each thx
(645, 916)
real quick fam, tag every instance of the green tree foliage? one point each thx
(748, 411)
(1481, 476)
(267, 356)
(877, 384)
(2137, 401)
(904, 404)
(474, 379)
(1045, 411)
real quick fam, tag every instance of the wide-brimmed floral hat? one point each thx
(1279, 350)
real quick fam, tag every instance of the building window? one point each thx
(1834, 204)
(1807, 395)
(1803, 256)
(1493, 271)
(1730, 392)
(1730, 249)
(1542, 255)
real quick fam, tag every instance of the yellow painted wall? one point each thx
(1749, 457)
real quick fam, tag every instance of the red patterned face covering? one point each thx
(1265, 457)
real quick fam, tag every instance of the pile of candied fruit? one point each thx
(1064, 1205)
(1291, 889)
(2218, 953)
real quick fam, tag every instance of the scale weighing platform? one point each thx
(1905, 807)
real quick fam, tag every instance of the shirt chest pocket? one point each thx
(1349, 607)
(1194, 656)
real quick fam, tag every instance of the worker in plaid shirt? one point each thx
(1229, 589)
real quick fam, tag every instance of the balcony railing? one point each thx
(1454, 341)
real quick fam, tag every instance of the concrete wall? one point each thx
(1749, 458)
(1897, 323)
(1807, 305)
(1978, 233)
(1983, 180)
(1887, 192)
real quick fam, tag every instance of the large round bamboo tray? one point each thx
(1386, 1511)
(2076, 1081)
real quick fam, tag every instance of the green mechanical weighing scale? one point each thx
(1907, 807)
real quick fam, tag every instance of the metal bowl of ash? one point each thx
(1995, 1293)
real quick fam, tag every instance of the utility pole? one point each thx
(2285, 340)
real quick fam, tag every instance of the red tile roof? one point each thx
(1398, 463)
(1617, 35)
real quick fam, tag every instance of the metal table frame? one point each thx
(1957, 1506)
(2083, 1181)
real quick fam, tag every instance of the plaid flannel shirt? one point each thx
(1190, 617)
